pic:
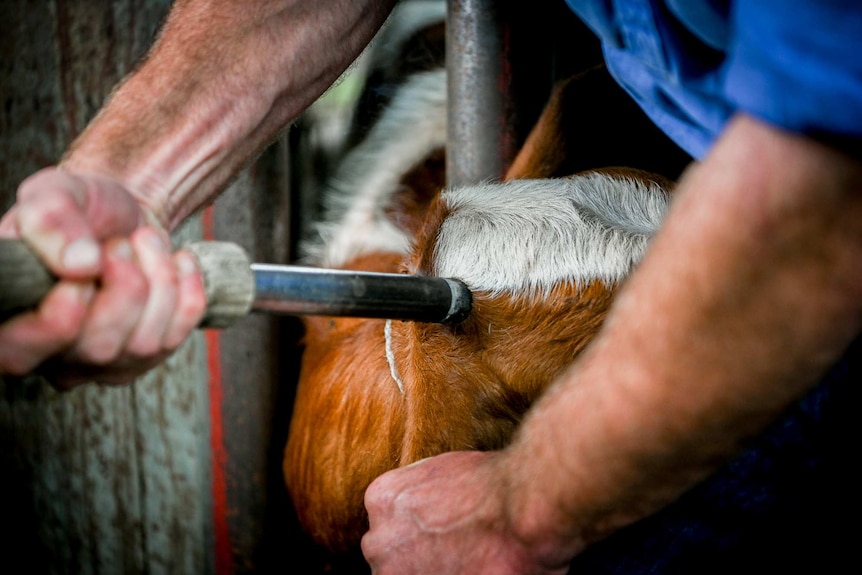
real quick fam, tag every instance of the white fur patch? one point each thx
(525, 236)
(355, 223)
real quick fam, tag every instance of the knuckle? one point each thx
(66, 327)
(66, 330)
(62, 313)
(165, 276)
(374, 494)
(144, 346)
(99, 350)
(21, 351)
(16, 365)
(136, 286)
(192, 309)
(186, 318)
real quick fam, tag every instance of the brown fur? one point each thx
(466, 386)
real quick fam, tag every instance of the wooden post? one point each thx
(97, 479)
(180, 471)
(253, 370)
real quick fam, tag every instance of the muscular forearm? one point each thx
(221, 81)
(752, 288)
(223, 78)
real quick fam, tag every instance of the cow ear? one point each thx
(544, 150)
(590, 122)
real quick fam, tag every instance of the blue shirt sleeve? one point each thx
(691, 64)
(798, 65)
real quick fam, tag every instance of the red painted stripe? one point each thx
(223, 554)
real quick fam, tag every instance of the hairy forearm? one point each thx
(750, 291)
(222, 80)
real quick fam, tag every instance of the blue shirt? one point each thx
(691, 64)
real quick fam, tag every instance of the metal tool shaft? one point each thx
(234, 286)
(296, 290)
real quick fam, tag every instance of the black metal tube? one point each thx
(294, 290)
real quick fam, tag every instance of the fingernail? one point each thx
(82, 254)
(122, 250)
(80, 292)
(155, 241)
(85, 293)
(186, 264)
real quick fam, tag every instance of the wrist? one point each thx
(153, 212)
(94, 181)
(537, 521)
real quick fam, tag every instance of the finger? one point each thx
(380, 494)
(50, 218)
(191, 300)
(30, 338)
(8, 227)
(152, 249)
(62, 216)
(116, 308)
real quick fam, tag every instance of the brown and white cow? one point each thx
(542, 257)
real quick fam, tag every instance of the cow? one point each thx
(543, 251)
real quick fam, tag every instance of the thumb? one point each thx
(64, 216)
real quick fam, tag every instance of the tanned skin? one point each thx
(750, 291)
(221, 81)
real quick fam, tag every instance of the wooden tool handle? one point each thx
(24, 280)
(225, 267)
(228, 281)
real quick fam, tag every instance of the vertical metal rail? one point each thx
(481, 132)
(501, 64)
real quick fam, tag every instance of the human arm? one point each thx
(749, 292)
(220, 82)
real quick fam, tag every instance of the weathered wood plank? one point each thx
(97, 480)
(259, 361)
